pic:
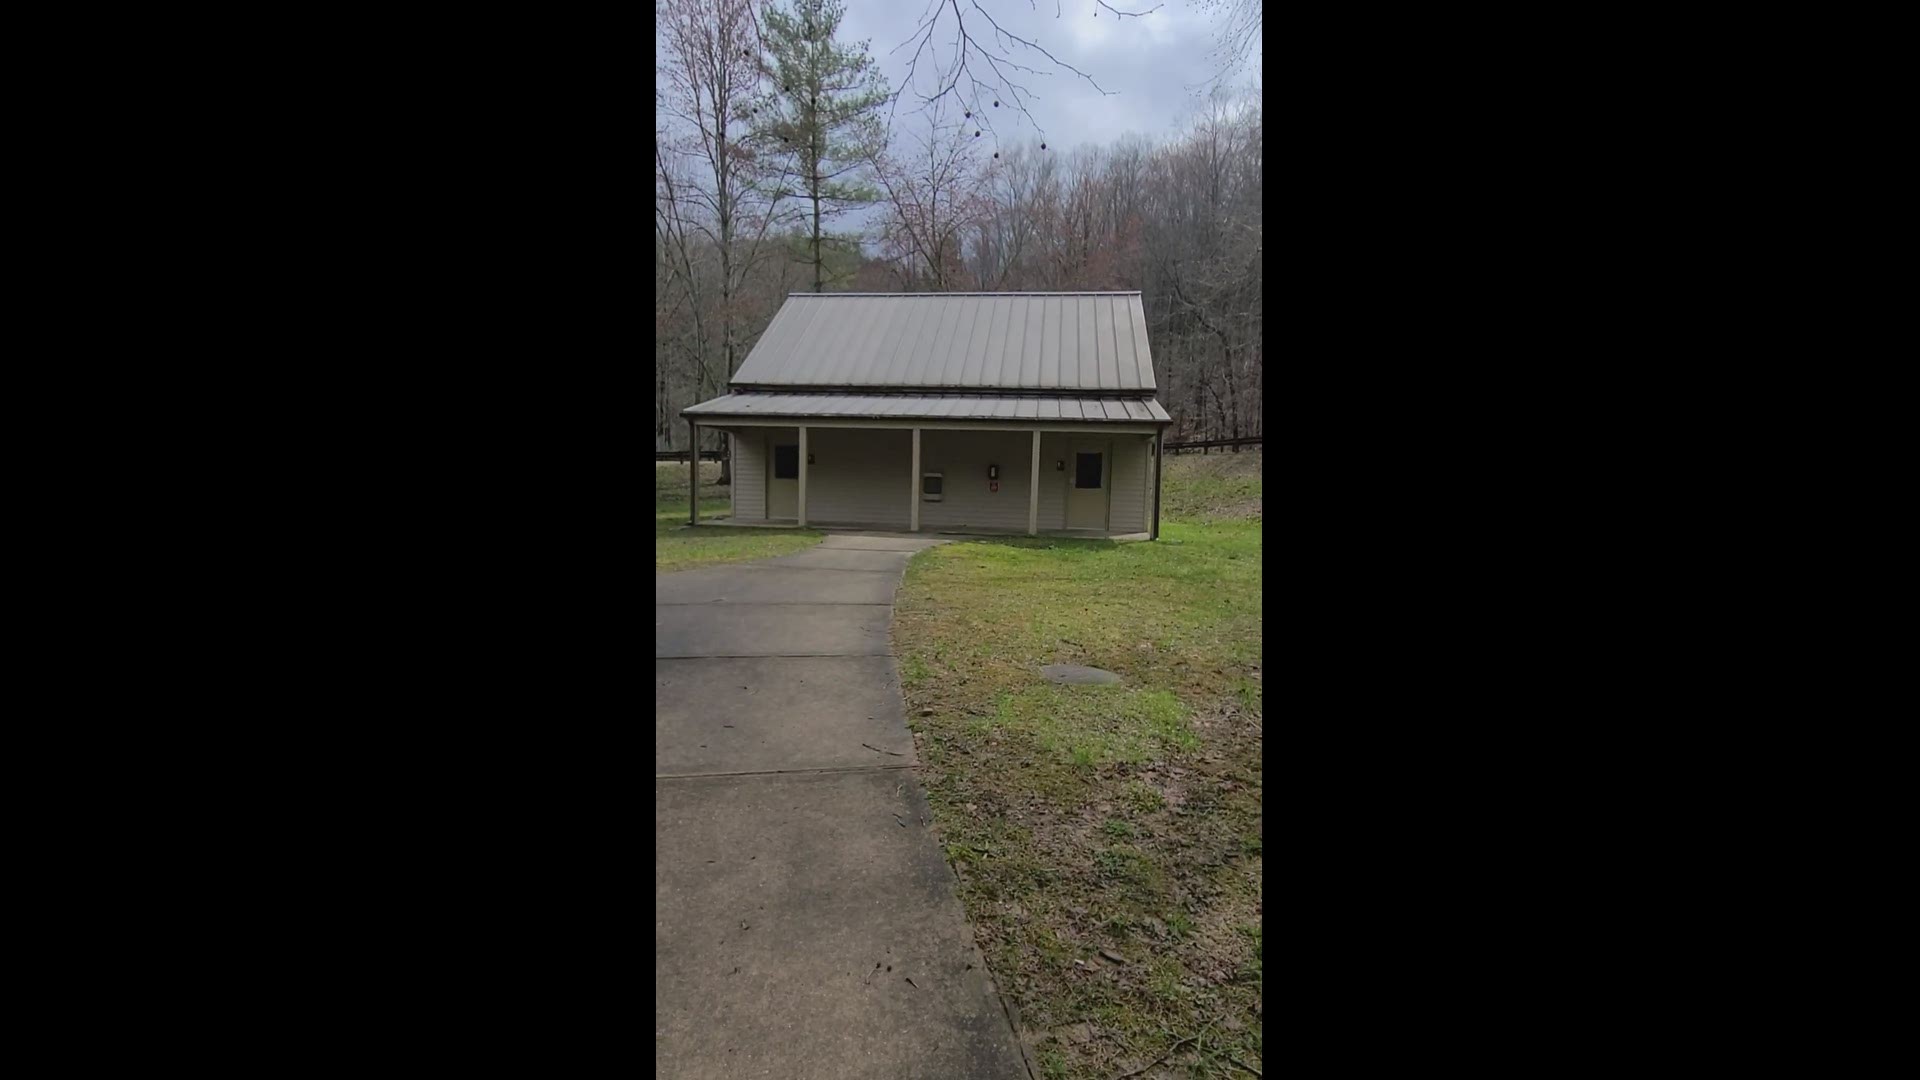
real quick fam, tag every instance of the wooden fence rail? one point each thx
(1203, 444)
(681, 455)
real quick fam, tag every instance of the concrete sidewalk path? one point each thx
(806, 922)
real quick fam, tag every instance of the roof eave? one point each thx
(914, 390)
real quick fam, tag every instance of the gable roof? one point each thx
(1066, 343)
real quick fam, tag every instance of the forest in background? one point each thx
(785, 164)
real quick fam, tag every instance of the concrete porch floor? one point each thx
(894, 530)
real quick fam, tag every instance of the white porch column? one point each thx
(1033, 490)
(803, 477)
(915, 495)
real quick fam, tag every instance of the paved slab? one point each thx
(1078, 675)
(773, 713)
(845, 559)
(794, 866)
(771, 630)
(775, 900)
(863, 542)
(774, 585)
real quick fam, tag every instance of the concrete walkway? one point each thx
(805, 920)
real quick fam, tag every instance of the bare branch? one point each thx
(1129, 14)
(984, 66)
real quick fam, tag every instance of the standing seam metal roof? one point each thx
(1070, 343)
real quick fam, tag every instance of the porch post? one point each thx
(693, 473)
(915, 493)
(1033, 489)
(1159, 465)
(803, 477)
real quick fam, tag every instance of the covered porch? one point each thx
(1038, 478)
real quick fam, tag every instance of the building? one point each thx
(947, 412)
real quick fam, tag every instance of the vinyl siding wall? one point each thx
(860, 476)
(964, 456)
(749, 477)
(1132, 484)
(1053, 480)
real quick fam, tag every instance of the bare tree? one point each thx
(680, 340)
(710, 70)
(1236, 34)
(934, 199)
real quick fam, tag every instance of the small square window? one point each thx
(786, 462)
(1086, 470)
(930, 485)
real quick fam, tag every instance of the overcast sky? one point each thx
(1149, 63)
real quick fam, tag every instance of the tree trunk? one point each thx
(726, 287)
(1233, 396)
(817, 267)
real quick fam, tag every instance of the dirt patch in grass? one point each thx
(1107, 839)
(676, 546)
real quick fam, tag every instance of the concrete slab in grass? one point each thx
(1078, 675)
(779, 904)
(777, 713)
(771, 630)
(824, 558)
(774, 585)
(855, 542)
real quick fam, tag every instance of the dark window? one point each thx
(1086, 470)
(786, 463)
(930, 485)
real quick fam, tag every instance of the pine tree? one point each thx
(821, 118)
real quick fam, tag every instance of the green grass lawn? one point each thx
(1089, 822)
(678, 547)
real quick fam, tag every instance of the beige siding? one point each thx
(859, 477)
(749, 476)
(964, 456)
(1132, 484)
(1054, 457)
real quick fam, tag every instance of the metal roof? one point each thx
(1064, 342)
(933, 407)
